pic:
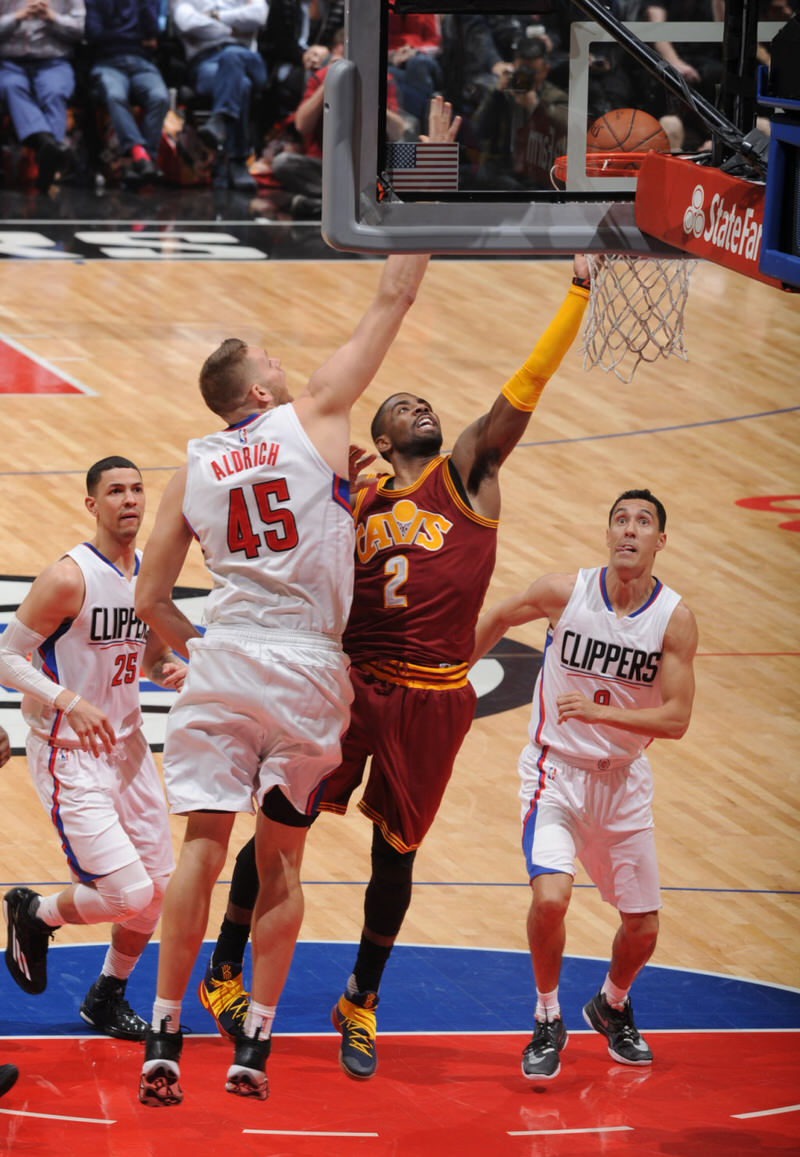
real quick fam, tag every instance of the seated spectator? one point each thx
(219, 38)
(699, 64)
(122, 37)
(290, 55)
(326, 17)
(37, 43)
(522, 124)
(293, 160)
(414, 44)
(471, 62)
(299, 171)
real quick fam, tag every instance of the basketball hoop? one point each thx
(635, 313)
(599, 164)
(636, 304)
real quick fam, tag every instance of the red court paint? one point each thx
(22, 373)
(432, 1095)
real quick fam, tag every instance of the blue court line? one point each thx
(548, 442)
(65, 473)
(661, 429)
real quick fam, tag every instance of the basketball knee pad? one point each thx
(115, 897)
(146, 918)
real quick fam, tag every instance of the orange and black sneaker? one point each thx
(222, 993)
(354, 1017)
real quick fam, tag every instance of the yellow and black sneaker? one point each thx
(354, 1017)
(222, 993)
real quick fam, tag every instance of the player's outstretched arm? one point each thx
(162, 562)
(484, 445)
(339, 382)
(544, 599)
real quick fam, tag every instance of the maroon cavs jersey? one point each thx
(423, 563)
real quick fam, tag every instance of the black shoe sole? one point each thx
(241, 1086)
(160, 1089)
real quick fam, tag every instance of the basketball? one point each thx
(626, 130)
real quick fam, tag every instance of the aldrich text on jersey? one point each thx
(248, 457)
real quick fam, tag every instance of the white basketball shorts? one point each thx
(257, 710)
(602, 818)
(109, 810)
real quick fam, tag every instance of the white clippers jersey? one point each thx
(275, 525)
(608, 659)
(98, 654)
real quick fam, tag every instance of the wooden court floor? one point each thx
(703, 434)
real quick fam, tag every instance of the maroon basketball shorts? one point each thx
(413, 735)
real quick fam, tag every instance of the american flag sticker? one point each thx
(423, 165)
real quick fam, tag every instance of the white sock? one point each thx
(616, 997)
(168, 1011)
(547, 1005)
(259, 1020)
(117, 965)
(48, 911)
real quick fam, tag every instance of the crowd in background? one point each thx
(229, 92)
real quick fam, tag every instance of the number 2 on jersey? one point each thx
(280, 529)
(396, 569)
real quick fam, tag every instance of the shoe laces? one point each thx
(360, 1026)
(120, 1005)
(621, 1020)
(544, 1036)
(227, 995)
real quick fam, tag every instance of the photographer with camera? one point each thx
(522, 123)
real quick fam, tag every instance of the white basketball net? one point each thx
(635, 311)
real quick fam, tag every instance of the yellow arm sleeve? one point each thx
(525, 387)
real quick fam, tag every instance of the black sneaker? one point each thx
(616, 1025)
(540, 1058)
(140, 173)
(28, 940)
(247, 1075)
(158, 1084)
(8, 1075)
(106, 1009)
(354, 1017)
(214, 132)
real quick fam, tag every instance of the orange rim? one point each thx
(601, 164)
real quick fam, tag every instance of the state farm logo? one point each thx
(694, 219)
(735, 228)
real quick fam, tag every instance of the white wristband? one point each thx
(72, 703)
